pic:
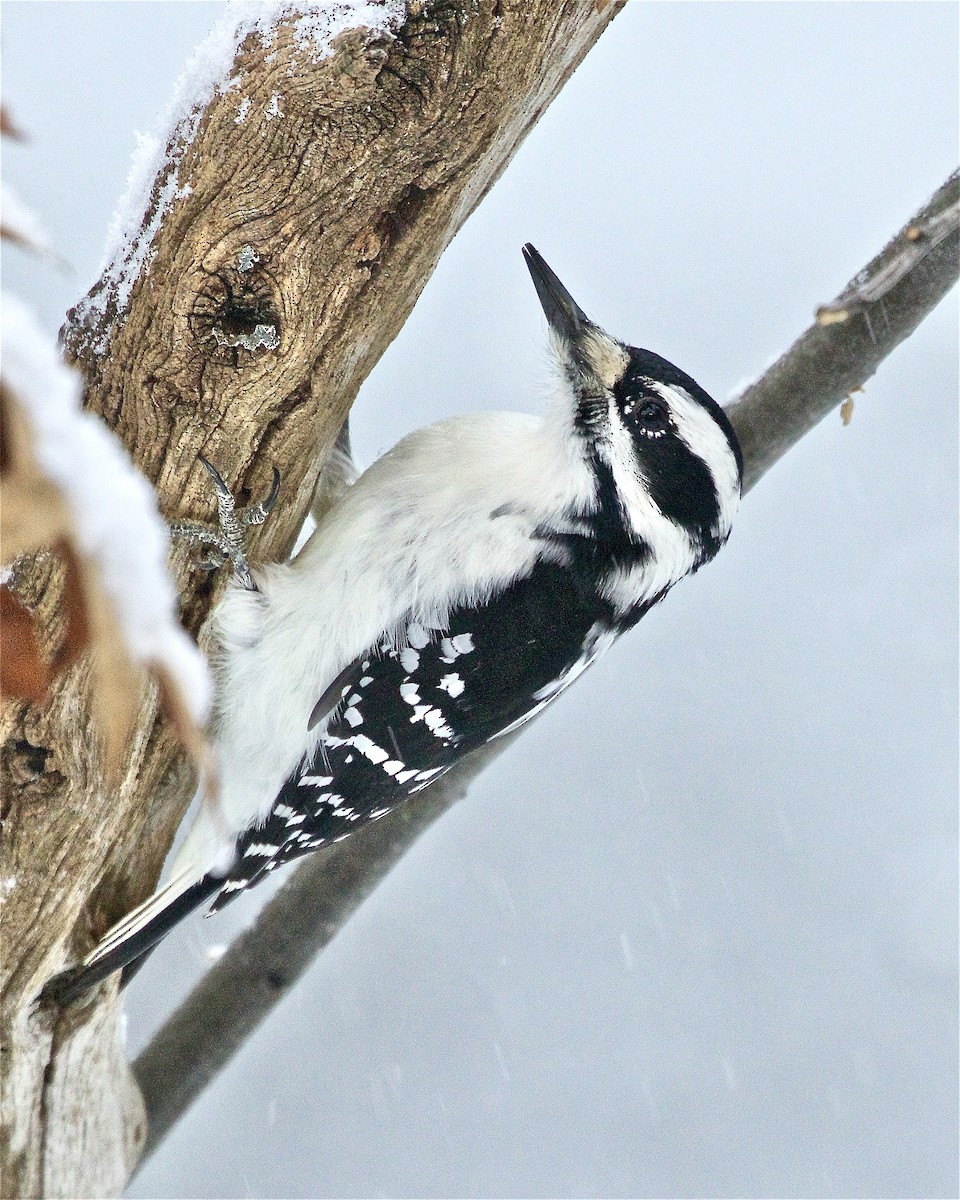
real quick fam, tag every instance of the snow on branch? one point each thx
(68, 484)
(153, 182)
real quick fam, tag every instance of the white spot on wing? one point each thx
(369, 749)
(434, 720)
(436, 723)
(451, 684)
(452, 648)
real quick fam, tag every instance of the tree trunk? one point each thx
(297, 216)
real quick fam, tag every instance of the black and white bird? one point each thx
(455, 590)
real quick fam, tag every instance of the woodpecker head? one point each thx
(666, 446)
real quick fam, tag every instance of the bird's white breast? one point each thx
(413, 537)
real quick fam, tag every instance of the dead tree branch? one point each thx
(826, 363)
(266, 961)
(850, 338)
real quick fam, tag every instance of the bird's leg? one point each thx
(226, 541)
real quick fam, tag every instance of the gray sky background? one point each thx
(695, 933)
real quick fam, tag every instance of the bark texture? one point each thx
(852, 335)
(286, 249)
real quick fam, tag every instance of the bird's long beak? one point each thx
(592, 359)
(564, 315)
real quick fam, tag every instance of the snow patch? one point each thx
(152, 182)
(322, 22)
(247, 259)
(112, 506)
(266, 337)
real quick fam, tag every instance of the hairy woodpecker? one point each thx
(455, 590)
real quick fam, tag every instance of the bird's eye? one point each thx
(651, 412)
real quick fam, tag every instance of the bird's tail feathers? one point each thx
(136, 934)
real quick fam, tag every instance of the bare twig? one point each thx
(815, 375)
(884, 304)
(901, 256)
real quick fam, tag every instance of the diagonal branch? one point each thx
(844, 347)
(263, 963)
(850, 338)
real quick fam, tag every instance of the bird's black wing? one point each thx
(405, 715)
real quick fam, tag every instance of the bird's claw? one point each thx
(226, 542)
(257, 513)
(221, 487)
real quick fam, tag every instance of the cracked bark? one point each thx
(277, 278)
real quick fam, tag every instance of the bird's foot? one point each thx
(225, 542)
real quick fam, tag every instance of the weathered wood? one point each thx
(294, 225)
(86, 1091)
(851, 336)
